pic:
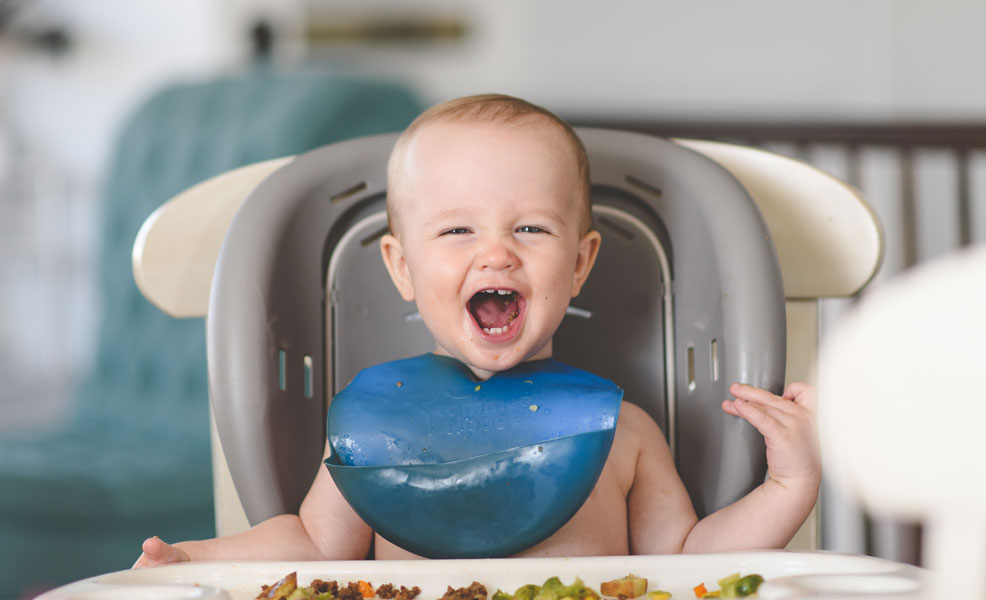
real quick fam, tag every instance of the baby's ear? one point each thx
(588, 250)
(393, 257)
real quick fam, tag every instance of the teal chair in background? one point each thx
(134, 459)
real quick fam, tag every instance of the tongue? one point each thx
(493, 310)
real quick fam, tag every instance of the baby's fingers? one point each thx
(761, 397)
(158, 552)
(761, 416)
(801, 394)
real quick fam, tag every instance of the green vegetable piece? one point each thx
(324, 596)
(740, 587)
(501, 595)
(748, 585)
(579, 591)
(552, 583)
(527, 592)
(727, 586)
(302, 593)
(550, 589)
(553, 589)
(576, 591)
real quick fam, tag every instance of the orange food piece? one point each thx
(366, 589)
(700, 590)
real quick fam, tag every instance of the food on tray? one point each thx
(731, 586)
(630, 586)
(282, 589)
(287, 589)
(552, 589)
(624, 588)
(475, 591)
(735, 586)
(387, 592)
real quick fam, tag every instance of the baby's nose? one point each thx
(497, 255)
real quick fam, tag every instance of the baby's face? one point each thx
(488, 239)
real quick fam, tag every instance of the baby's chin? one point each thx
(485, 363)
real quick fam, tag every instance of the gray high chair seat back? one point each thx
(685, 298)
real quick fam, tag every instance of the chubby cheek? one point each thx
(430, 272)
(437, 291)
(549, 306)
(438, 307)
(554, 296)
(558, 282)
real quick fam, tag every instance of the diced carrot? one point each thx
(366, 589)
(700, 590)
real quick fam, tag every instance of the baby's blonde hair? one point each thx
(490, 108)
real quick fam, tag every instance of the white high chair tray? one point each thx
(786, 575)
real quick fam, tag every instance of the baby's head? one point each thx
(488, 201)
(491, 110)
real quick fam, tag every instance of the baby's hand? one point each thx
(158, 552)
(787, 424)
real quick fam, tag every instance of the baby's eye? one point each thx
(530, 229)
(455, 231)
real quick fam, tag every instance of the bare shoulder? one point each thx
(635, 424)
(636, 436)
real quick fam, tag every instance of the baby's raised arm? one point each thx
(767, 517)
(326, 528)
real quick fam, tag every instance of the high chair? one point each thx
(713, 259)
(702, 219)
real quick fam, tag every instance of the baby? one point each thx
(491, 192)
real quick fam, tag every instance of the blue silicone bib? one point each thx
(449, 467)
(430, 409)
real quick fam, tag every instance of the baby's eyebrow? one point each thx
(444, 216)
(549, 214)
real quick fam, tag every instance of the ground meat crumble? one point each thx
(350, 592)
(476, 591)
(387, 592)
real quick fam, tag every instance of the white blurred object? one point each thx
(902, 408)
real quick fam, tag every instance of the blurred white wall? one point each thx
(68, 105)
(716, 59)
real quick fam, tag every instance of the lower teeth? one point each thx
(496, 330)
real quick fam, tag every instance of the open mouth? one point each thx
(495, 310)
